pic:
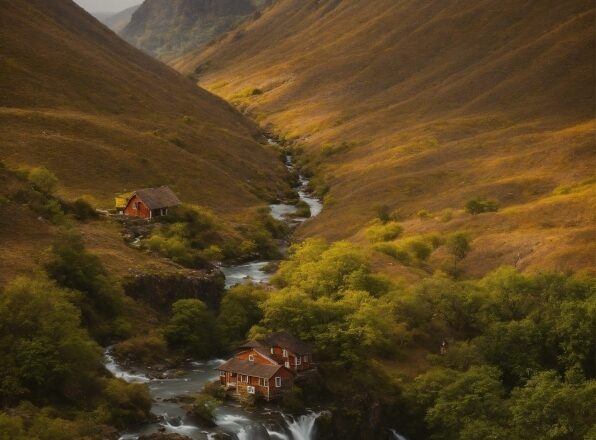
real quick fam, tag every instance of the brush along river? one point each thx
(170, 392)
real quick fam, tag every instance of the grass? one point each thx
(435, 124)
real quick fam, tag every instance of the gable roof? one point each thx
(157, 198)
(249, 368)
(279, 339)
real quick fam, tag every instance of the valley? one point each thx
(297, 220)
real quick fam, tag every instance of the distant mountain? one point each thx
(424, 106)
(117, 22)
(167, 28)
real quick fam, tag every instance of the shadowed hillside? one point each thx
(167, 28)
(423, 107)
(105, 117)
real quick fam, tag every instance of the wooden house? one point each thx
(267, 367)
(151, 202)
(286, 349)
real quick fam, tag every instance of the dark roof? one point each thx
(157, 198)
(285, 340)
(249, 368)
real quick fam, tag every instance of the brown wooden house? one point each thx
(151, 202)
(286, 349)
(267, 367)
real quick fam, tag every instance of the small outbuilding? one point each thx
(151, 202)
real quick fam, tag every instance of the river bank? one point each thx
(171, 389)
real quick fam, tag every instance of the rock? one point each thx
(164, 436)
(161, 291)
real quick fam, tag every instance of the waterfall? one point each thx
(397, 436)
(113, 367)
(302, 427)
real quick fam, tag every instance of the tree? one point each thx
(192, 329)
(458, 245)
(239, 311)
(548, 409)
(479, 205)
(75, 268)
(476, 395)
(43, 180)
(44, 353)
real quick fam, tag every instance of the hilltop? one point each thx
(167, 28)
(419, 109)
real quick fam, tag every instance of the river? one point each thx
(232, 421)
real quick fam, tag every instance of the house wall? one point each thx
(292, 358)
(258, 358)
(131, 211)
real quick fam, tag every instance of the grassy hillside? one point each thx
(104, 117)
(421, 108)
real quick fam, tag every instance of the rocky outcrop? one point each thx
(161, 291)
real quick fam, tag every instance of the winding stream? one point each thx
(231, 420)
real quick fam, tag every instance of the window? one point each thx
(272, 350)
(222, 373)
(298, 360)
(262, 382)
(137, 205)
(251, 357)
(285, 353)
(278, 382)
(243, 378)
(305, 358)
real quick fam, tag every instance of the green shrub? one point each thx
(143, 350)
(82, 210)
(126, 404)
(383, 232)
(479, 205)
(302, 210)
(43, 180)
(419, 248)
(423, 213)
(394, 251)
(384, 213)
(204, 407)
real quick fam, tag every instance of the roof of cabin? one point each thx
(157, 198)
(249, 368)
(280, 339)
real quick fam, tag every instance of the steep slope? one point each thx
(105, 117)
(167, 28)
(117, 22)
(422, 107)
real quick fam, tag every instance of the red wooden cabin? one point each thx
(266, 367)
(254, 373)
(151, 202)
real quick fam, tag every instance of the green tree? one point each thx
(126, 404)
(192, 329)
(476, 395)
(75, 268)
(239, 311)
(458, 245)
(44, 353)
(43, 180)
(548, 409)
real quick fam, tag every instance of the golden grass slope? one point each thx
(105, 117)
(435, 103)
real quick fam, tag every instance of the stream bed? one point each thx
(231, 420)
